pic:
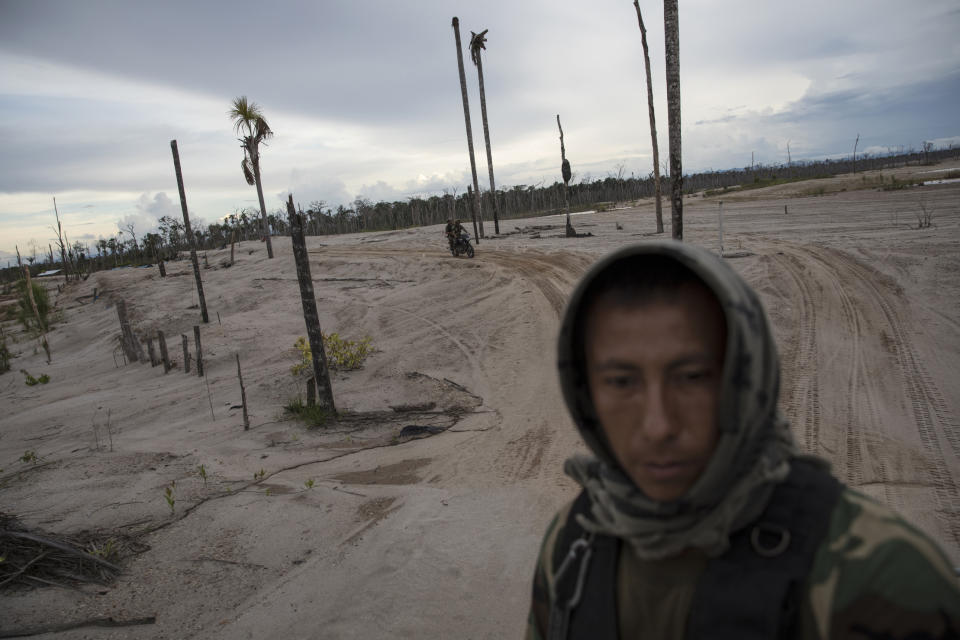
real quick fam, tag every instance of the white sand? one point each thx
(436, 537)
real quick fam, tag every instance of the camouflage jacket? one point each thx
(874, 577)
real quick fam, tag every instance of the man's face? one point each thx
(654, 375)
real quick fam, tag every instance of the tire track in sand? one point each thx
(859, 289)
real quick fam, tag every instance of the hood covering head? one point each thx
(754, 444)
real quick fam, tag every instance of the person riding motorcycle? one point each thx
(453, 231)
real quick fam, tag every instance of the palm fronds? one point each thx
(477, 42)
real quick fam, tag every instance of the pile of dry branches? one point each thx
(30, 558)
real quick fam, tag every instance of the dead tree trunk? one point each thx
(199, 357)
(477, 42)
(151, 351)
(466, 118)
(131, 347)
(162, 340)
(653, 118)
(566, 173)
(233, 241)
(190, 237)
(163, 269)
(186, 352)
(36, 313)
(319, 356)
(243, 396)
(671, 25)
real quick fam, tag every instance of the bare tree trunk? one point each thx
(486, 138)
(63, 250)
(162, 339)
(263, 209)
(243, 396)
(566, 174)
(653, 118)
(186, 352)
(233, 242)
(856, 142)
(36, 313)
(321, 372)
(671, 25)
(466, 118)
(129, 341)
(199, 356)
(190, 237)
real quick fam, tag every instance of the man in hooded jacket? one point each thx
(698, 517)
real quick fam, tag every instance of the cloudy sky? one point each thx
(364, 97)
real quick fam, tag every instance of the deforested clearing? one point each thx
(419, 509)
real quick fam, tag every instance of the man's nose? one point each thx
(656, 424)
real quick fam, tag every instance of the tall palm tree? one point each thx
(671, 28)
(248, 119)
(466, 117)
(653, 118)
(477, 42)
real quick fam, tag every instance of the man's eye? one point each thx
(696, 375)
(618, 382)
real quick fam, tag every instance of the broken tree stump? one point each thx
(127, 340)
(310, 316)
(243, 396)
(163, 351)
(199, 357)
(186, 352)
(151, 351)
(163, 269)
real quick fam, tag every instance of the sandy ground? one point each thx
(436, 536)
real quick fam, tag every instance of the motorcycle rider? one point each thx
(453, 231)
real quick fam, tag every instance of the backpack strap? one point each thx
(584, 598)
(753, 591)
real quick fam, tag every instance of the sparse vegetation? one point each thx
(313, 415)
(924, 213)
(342, 354)
(31, 381)
(25, 310)
(30, 457)
(169, 497)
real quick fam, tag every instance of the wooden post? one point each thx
(243, 396)
(311, 392)
(233, 241)
(199, 358)
(163, 351)
(309, 302)
(94, 294)
(151, 351)
(190, 237)
(186, 352)
(163, 270)
(128, 340)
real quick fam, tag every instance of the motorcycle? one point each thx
(462, 246)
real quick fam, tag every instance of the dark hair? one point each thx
(634, 282)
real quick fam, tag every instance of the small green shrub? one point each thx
(341, 354)
(313, 415)
(25, 312)
(31, 381)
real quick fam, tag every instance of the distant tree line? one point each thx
(520, 201)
